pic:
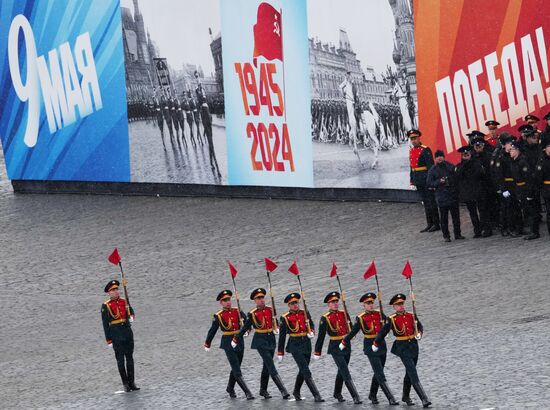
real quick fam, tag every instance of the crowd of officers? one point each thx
(330, 122)
(503, 180)
(297, 325)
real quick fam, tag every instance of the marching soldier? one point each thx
(262, 320)
(524, 191)
(492, 136)
(116, 315)
(207, 125)
(228, 319)
(370, 322)
(335, 322)
(295, 324)
(543, 179)
(189, 115)
(405, 346)
(421, 160)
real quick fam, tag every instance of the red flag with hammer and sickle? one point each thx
(268, 33)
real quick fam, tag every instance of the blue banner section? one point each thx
(267, 92)
(62, 87)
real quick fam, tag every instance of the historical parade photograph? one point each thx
(137, 274)
(363, 90)
(174, 86)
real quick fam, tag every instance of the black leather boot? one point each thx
(429, 221)
(422, 394)
(244, 388)
(264, 380)
(373, 391)
(388, 393)
(313, 389)
(338, 390)
(265, 394)
(131, 381)
(281, 386)
(353, 392)
(297, 387)
(435, 218)
(124, 378)
(406, 398)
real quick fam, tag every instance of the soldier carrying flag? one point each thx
(230, 321)
(116, 315)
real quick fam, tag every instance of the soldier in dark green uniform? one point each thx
(229, 321)
(116, 315)
(335, 322)
(370, 322)
(264, 323)
(407, 330)
(300, 330)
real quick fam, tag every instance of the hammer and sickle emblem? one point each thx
(276, 28)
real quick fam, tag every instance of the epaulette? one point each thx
(361, 314)
(392, 316)
(253, 310)
(326, 315)
(285, 314)
(218, 312)
(106, 302)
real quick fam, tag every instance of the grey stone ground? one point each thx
(484, 303)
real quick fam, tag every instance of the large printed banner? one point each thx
(294, 93)
(480, 61)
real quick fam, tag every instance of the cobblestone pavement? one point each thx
(483, 302)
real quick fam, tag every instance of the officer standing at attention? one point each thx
(421, 160)
(116, 315)
(228, 319)
(335, 322)
(370, 322)
(300, 330)
(262, 320)
(404, 325)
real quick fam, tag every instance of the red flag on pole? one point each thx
(270, 266)
(294, 268)
(232, 269)
(268, 33)
(333, 272)
(407, 270)
(114, 257)
(371, 271)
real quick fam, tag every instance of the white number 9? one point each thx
(30, 91)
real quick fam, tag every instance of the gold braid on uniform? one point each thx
(256, 324)
(224, 327)
(326, 315)
(292, 330)
(398, 332)
(368, 330)
(115, 317)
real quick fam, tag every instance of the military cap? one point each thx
(367, 297)
(331, 297)
(526, 129)
(506, 138)
(516, 145)
(114, 284)
(479, 141)
(257, 293)
(492, 124)
(464, 149)
(475, 134)
(293, 297)
(224, 294)
(547, 116)
(439, 153)
(399, 298)
(414, 133)
(531, 118)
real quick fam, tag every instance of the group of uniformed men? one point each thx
(298, 326)
(503, 181)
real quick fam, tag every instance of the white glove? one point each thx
(233, 344)
(412, 187)
(315, 357)
(341, 346)
(109, 345)
(206, 349)
(374, 348)
(418, 336)
(311, 335)
(276, 331)
(131, 319)
(506, 194)
(280, 358)
(246, 333)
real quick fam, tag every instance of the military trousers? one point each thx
(302, 360)
(235, 358)
(268, 366)
(342, 360)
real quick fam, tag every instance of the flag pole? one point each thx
(379, 297)
(308, 325)
(238, 302)
(275, 326)
(124, 281)
(414, 307)
(344, 303)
